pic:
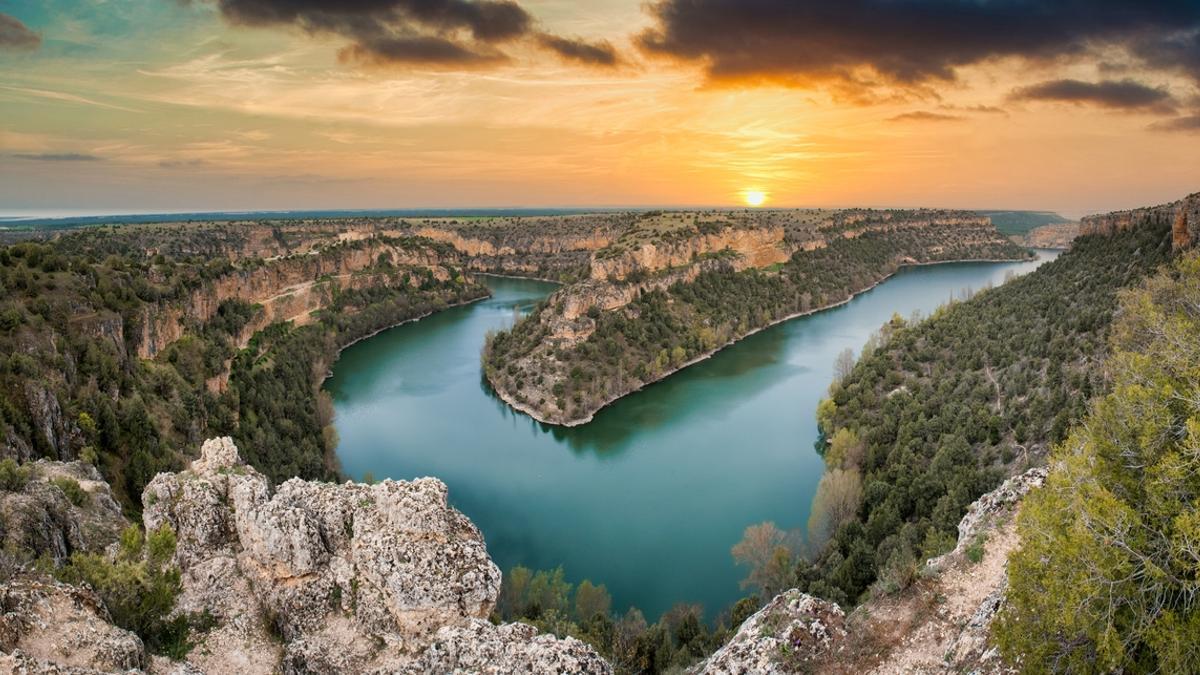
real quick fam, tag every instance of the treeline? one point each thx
(680, 638)
(1106, 574)
(936, 412)
(71, 385)
(661, 330)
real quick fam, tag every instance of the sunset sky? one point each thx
(167, 105)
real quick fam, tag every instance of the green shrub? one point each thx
(71, 488)
(139, 587)
(13, 476)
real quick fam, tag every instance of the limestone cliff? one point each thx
(306, 578)
(39, 518)
(1182, 215)
(286, 288)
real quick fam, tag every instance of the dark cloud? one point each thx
(59, 157)
(16, 35)
(1187, 123)
(906, 43)
(420, 49)
(452, 33)
(486, 20)
(593, 53)
(1179, 52)
(1116, 94)
(924, 116)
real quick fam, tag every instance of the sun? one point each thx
(754, 198)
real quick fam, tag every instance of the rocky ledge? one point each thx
(308, 578)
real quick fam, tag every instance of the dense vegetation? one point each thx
(936, 412)
(677, 640)
(660, 330)
(71, 386)
(1107, 574)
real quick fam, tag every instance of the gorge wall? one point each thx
(1183, 216)
(286, 288)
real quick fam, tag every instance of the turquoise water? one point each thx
(649, 497)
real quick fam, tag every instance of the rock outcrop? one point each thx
(792, 634)
(324, 578)
(1182, 215)
(40, 517)
(50, 627)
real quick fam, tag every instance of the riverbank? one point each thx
(342, 348)
(578, 421)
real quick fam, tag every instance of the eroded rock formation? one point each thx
(338, 578)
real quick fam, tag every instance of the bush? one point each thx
(13, 476)
(139, 587)
(71, 488)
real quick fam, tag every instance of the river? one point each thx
(649, 497)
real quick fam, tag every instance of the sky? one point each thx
(126, 106)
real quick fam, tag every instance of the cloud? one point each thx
(1115, 94)
(16, 35)
(924, 116)
(1179, 52)
(908, 43)
(593, 53)
(448, 33)
(1187, 124)
(59, 157)
(421, 49)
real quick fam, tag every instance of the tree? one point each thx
(837, 500)
(591, 600)
(843, 366)
(845, 451)
(770, 553)
(1107, 575)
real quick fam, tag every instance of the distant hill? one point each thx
(1021, 222)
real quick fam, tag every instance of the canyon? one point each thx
(310, 576)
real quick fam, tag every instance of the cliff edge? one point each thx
(307, 578)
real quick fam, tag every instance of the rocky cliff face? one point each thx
(1182, 215)
(41, 519)
(307, 578)
(351, 577)
(753, 247)
(286, 288)
(1057, 235)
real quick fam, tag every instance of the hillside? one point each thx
(236, 568)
